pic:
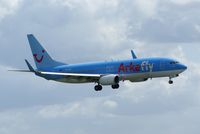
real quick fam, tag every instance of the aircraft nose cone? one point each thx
(184, 67)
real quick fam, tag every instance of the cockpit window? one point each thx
(174, 62)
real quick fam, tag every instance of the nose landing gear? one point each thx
(170, 80)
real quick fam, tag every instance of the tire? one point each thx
(170, 82)
(115, 86)
(98, 88)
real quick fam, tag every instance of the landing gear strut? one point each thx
(115, 86)
(98, 88)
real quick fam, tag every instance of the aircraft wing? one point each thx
(72, 74)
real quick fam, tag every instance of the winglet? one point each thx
(29, 66)
(133, 55)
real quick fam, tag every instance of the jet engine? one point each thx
(109, 80)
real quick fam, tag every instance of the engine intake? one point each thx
(109, 80)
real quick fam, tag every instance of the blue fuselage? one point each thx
(123, 67)
(134, 70)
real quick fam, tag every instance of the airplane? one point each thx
(101, 73)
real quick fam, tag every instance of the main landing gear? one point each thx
(98, 88)
(115, 86)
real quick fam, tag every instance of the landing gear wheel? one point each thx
(98, 88)
(170, 82)
(115, 86)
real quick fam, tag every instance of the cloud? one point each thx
(110, 104)
(90, 5)
(148, 8)
(184, 2)
(8, 7)
(88, 108)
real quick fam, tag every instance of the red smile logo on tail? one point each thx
(39, 60)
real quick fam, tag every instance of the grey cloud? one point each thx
(172, 23)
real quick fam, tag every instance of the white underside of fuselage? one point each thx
(74, 80)
(134, 77)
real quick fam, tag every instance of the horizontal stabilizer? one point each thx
(29, 66)
(26, 71)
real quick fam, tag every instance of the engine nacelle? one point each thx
(109, 80)
(139, 80)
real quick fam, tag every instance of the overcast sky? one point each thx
(76, 31)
